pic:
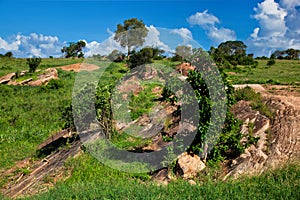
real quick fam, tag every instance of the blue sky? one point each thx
(41, 28)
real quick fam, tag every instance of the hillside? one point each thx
(38, 153)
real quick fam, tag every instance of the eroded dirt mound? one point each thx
(80, 67)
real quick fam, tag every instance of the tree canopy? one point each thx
(231, 53)
(131, 34)
(74, 49)
(289, 54)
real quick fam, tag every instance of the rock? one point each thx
(184, 68)
(189, 165)
(50, 73)
(25, 81)
(276, 146)
(7, 78)
(161, 177)
(192, 182)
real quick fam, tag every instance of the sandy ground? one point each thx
(79, 67)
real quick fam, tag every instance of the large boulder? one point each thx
(7, 78)
(189, 165)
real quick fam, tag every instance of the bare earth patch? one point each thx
(79, 67)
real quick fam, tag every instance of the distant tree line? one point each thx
(7, 55)
(289, 54)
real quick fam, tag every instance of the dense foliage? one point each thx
(74, 49)
(131, 33)
(289, 54)
(33, 63)
(231, 53)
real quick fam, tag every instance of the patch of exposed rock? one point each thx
(43, 79)
(184, 68)
(7, 78)
(52, 166)
(279, 138)
(50, 73)
(189, 165)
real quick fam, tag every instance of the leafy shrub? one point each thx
(271, 62)
(33, 63)
(247, 94)
(55, 84)
(257, 103)
(140, 58)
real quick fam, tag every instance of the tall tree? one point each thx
(74, 49)
(232, 48)
(131, 34)
(8, 54)
(231, 53)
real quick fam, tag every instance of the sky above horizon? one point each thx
(40, 28)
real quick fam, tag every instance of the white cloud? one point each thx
(279, 27)
(203, 19)
(208, 22)
(153, 39)
(32, 45)
(184, 33)
(8, 46)
(221, 35)
(107, 46)
(255, 33)
(103, 48)
(289, 4)
(271, 18)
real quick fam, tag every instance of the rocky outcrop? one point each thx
(184, 68)
(52, 166)
(279, 138)
(43, 79)
(7, 78)
(50, 73)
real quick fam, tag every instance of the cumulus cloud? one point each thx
(219, 35)
(208, 22)
(279, 27)
(203, 19)
(184, 33)
(271, 18)
(33, 45)
(107, 46)
(103, 48)
(153, 39)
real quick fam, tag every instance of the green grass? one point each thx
(28, 115)
(285, 72)
(257, 103)
(92, 180)
(8, 65)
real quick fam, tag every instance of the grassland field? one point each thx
(29, 115)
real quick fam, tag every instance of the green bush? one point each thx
(271, 62)
(257, 103)
(140, 58)
(33, 63)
